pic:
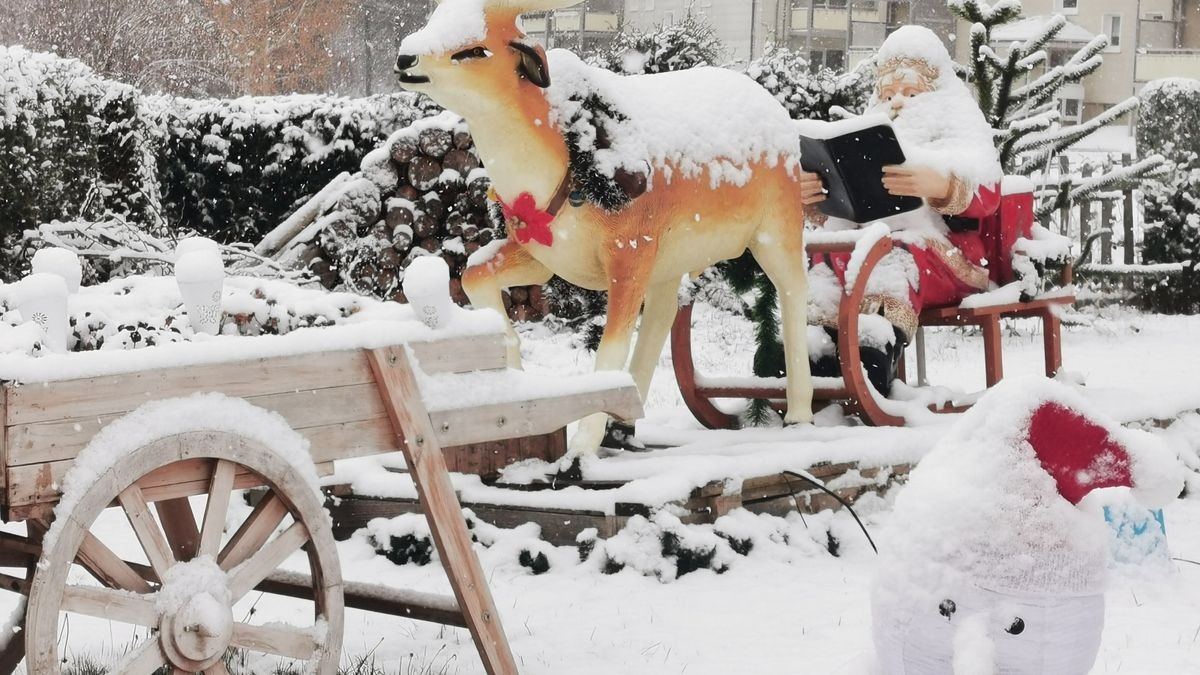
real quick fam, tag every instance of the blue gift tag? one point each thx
(1139, 535)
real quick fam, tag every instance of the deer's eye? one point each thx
(472, 53)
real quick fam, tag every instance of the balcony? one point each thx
(1157, 64)
(569, 22)
(836, 20)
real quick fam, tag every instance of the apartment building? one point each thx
(583, 28)
(1148, 40)
(841, 33)
(836, 33)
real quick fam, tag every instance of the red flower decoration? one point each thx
(529, 223)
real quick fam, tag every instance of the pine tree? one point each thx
(1017, 89)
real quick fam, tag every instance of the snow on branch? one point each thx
(1049, 32)
(1002, 11)
(1119, 175)
(1055, 141)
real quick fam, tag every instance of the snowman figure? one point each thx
(997, 554)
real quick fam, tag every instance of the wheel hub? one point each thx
(196, 623)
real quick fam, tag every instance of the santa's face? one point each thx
(894, 93)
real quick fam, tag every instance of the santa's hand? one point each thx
(812, 188)
(917, 181)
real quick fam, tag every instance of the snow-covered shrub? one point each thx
(806, 94)
(664, 548)
(1169, 118)
(687, 43)
(1170, 124)
(140, 311)
(234, 169)
(72, 145)
(403, 540)
(1173, 236)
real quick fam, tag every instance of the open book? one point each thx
(850, 156)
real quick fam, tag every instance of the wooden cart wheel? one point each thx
(182, 604)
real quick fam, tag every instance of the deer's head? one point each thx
(472, 55)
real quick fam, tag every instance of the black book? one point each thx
(852, 166)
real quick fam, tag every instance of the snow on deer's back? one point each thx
(996, 555)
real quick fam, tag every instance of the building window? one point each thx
(834, 59)
(1071, 109)
(1060, 57)
(1067, 6)
(867, 5)
(1111, 27)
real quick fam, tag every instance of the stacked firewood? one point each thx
(424, 192)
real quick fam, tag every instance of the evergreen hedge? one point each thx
(1170, 124)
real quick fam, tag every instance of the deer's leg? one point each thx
(658, 313)
(782, 258)
(511, 266)
(629, 274)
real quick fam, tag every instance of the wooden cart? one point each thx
(176, 489)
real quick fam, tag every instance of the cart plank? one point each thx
(55, 440)
(112, 394)
(38, 484)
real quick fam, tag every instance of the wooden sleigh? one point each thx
(1013, 220)
(349, 403)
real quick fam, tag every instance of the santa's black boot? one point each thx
(828, 365)
(882, 364)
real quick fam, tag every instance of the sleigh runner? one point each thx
(75, 448)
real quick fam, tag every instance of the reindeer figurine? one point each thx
(618, 183)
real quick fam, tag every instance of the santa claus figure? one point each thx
(952, 165)
(995, 558)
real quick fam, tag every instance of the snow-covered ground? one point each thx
(787, 607)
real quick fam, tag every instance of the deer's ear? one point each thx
(534, 66)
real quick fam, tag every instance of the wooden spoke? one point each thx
(179, 524)
(253, 533)
(294, 643)
(108, 568)
(106, 603)
(266, 560)
(145, 659)
(158, 551)
(219, 493)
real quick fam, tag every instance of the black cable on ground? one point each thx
(820, 486)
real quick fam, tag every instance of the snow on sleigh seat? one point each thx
(1003, 234)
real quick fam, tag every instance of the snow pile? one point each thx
(689, 122)
(185, 580)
